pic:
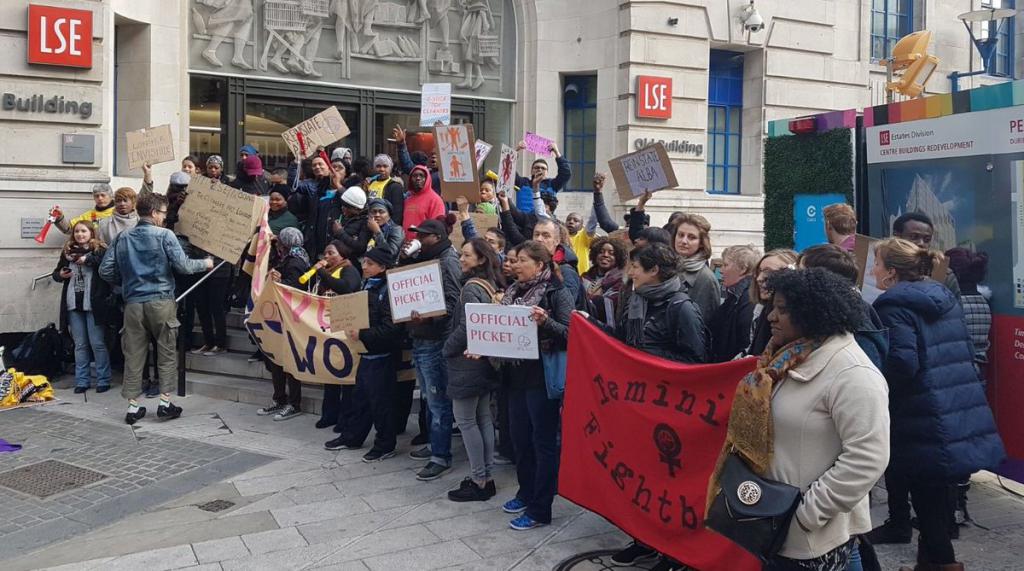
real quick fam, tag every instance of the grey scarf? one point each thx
(113, 225)
(636, 314)
(691, 264)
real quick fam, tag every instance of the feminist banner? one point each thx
(640, 437)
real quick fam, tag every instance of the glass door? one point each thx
(265, 121)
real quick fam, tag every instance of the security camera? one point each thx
(752, 20)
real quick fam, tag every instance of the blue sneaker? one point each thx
(514, 506)
(524, 522)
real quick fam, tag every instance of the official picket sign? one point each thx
(494, 330)
(416, 288)
(640, 438)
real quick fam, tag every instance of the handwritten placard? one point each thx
(416, 288)
(537, 144)
(494, 330)
(350, 312)
(320, 130)
(153, 145)
(218, 218)
(483, 149)
(436, 104)
(646, 170)
(507, 170)
(456, 145)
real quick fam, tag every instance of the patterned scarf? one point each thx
(528, 293)
(750, 433)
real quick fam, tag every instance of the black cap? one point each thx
(435, 227)
(381, 256)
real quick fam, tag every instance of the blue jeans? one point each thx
(88, 335)
(855, 562)
(533, 420)
(432, 374)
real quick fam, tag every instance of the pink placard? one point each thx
(537, 144)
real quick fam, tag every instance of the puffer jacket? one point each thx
(571, 277)
(467, 377)
(730, 325)
(942, 426)
(313, 202)
(354, 233)
(673, 330)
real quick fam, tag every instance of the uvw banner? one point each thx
(640, 436)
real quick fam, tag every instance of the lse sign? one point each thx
(654, 97)
(59, 36)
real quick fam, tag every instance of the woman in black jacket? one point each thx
(83, 302)
(472, 379)
(730, 326)
(534, 417)
(760, 329)
(386, 233)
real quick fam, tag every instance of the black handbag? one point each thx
(751, 511)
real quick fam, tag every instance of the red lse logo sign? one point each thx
(59, 36)
(883, 138)
(653, 97)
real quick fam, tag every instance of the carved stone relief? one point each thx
(383, 43)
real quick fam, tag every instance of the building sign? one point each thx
(384, 44)
(993, 132)
(653, 97)
(59, 36)
(677, 146)
(809, 218)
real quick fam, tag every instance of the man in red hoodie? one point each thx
(422, 203)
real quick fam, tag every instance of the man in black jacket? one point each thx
(378, 367)
(428, 336)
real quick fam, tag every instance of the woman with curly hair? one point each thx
(604, 280)
(942, 426)
(814, 414)
(691, 238)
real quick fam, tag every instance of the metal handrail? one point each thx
(40, 277)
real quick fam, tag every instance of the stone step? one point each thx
(230, 364)
(236, 319)
(237, 340)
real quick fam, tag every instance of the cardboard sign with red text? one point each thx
(640, 438)
(494, 330)
(320, 130)
(416, 288)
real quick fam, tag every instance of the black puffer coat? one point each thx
(467, 377)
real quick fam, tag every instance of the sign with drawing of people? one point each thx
(456, 158)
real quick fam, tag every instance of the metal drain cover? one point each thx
(216, 506)
(48, 478)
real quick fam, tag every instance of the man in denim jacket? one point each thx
(142, 262)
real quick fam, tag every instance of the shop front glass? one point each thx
(265, 121)
(206, 117)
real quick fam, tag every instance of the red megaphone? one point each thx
(53, 216)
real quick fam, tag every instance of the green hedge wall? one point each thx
(802, 164)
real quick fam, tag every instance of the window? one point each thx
(725, 112)
(890, 21)
(1001, 62)
(579, 104)
(206, 100)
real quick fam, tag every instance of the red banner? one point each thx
(640, 436)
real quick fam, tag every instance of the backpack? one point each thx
(494, 294)
(41, 353)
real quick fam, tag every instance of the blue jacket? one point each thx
(143, 261)
(942, 426)
(524, 197)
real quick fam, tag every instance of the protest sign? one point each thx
(483, 148)
(153, 145)
(416, 288)
(864, 252)
(457, 167)
(640, 439)
(481, 221)
(507, 171)
(646, 170)
(436, 104)
(319, 130)
(350, 312)
(218, 218)
(494, 330)
(537, 144)
(292, 330)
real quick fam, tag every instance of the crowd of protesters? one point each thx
(840, 385)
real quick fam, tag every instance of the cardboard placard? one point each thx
(153, 145)
(646, 170)
(537, 144)
(417, 288)
(481, 221)
(494, 330)
(218, 218)
(455, 146)
(507, 171)
(483, 149)
(348, 312)
(320, 130)
(864, 252)
(436, 104)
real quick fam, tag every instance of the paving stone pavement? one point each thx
(314, 509)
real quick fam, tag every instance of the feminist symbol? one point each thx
(669, 446)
